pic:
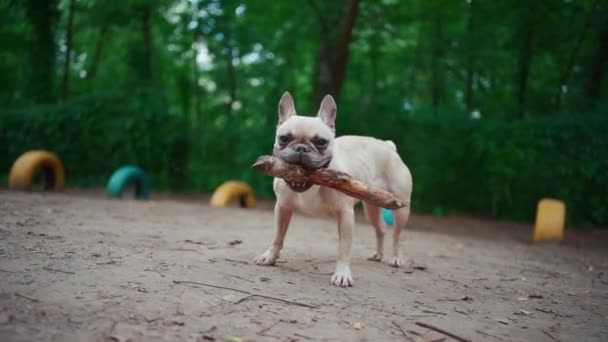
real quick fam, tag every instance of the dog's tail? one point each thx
(391, 144)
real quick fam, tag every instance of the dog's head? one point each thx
(307, 141)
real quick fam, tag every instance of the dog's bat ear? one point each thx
(287, 107)
(327, 111)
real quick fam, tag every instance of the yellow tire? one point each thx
(232, 190)
(25, 167)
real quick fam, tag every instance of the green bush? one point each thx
(495, 168)
(503, 168)
(95, 135)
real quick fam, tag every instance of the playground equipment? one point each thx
(550, 220)
(387, 216)
(232, 190)
(127, 175)
(28, 164)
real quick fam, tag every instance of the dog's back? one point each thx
(375, 162)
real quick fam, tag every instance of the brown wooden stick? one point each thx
(334, 179)
(250, 294)
(405, 335)
(35, 300)
(447, 333)
(550, 335)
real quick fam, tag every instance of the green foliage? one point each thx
(495, 168)
(94, 135)
(502, 169)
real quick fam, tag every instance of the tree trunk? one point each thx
(565, 76)
(332, 60)
(598, 65)
(524, 63)
(437, 55)
(374, 55)
(413, 74)
(65, 87)
(42, 17)
(195, 76)
(97, 52)
(470, 64)
(147, 40)
(230, 71)
(339, 67)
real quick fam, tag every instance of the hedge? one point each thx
(485, 167)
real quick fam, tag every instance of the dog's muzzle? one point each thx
(301, 186)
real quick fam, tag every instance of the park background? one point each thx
(492, 104)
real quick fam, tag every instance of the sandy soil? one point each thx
(84, 268)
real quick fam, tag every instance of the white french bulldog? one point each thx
(311, 142)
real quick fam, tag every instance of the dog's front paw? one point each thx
(395, 261)
(267, 259)
(342, 276)
(375, 257)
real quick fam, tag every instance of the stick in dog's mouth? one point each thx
(340, 181)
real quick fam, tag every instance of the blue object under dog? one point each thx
(387, 216)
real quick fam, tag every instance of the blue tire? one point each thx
(387, 216)
(126, 175)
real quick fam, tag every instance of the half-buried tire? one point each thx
(232, 190)
(129, 175)
(29, 164)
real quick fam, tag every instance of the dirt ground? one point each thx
(84, 268)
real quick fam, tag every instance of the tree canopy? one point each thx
(206, 75)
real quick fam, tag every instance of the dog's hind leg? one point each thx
(375, 219)
(401, 215)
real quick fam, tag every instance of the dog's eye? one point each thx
(320, 142)
(284, 139)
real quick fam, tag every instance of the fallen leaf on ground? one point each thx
(535, 295)
(151, 319)
(461, 311)
(522, 298)
(178, 323)
(233, 339)
(137, 287)
(523, 313)
(196, 242)
(111, 262)
(235, 242)
(503, 321)
(358, 326)
(463, 298)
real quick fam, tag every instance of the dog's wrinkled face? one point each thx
(307, 141)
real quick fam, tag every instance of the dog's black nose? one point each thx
(301, 148)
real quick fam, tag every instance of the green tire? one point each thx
(126, 175)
